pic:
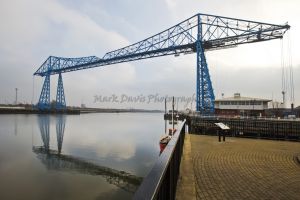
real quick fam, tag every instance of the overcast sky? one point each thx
(31, 30)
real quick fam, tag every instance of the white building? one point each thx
(238, 105)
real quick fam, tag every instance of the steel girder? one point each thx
(44, 100)
(56, 63)
(60, 95)
(217, 32)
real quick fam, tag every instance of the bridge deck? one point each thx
(239, 169)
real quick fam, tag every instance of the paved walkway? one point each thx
(186, 185)
(239, 169)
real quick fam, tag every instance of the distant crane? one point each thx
(197, 34)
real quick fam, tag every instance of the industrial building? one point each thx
(241, 106)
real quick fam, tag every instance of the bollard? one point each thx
(219, 134)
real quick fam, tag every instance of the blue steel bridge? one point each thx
(197, 34)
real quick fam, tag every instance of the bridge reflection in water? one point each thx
(55, 160)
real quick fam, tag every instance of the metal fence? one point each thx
(161, 181)
(258, 128)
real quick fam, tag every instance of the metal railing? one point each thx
(161, 181)
(255, 128)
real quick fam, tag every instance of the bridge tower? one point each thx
(60, 94)
(44, 100)
(205, 98)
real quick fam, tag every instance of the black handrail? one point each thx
(161, 181)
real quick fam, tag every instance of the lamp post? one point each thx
(16, 102)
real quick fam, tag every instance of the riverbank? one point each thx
(69, 110)
(114, 110)
(25, 110)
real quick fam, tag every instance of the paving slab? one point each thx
(240, 168)
(186, 181)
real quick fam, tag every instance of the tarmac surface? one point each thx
(239, 168)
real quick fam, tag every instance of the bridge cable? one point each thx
(290, 64)
(283, 74)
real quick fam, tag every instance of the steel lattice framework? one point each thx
(60, 94)
(196, 34)
(44, 100)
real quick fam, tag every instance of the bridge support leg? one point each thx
(60, 94)
(204, 92)
(44, 100)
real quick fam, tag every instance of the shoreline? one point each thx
(72, 111)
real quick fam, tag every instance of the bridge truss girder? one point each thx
(216, 33)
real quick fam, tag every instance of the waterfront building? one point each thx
(241, 106)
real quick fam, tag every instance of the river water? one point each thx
(87, 156)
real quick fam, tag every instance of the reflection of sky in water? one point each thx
(125, 142)
(129, 143)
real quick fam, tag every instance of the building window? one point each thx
(257, 102)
